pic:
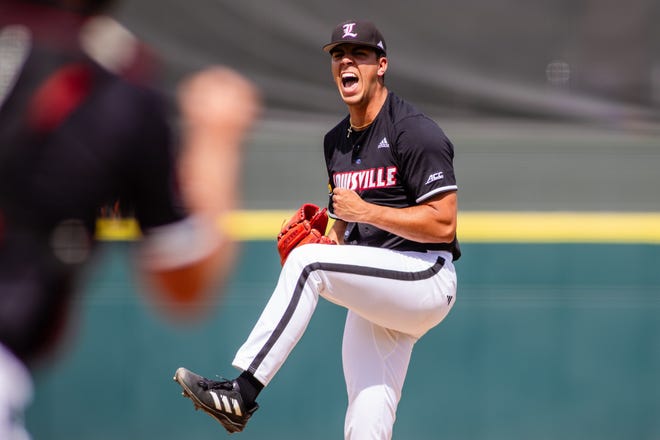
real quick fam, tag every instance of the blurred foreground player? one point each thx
(73, 137)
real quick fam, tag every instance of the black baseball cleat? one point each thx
(221, 400)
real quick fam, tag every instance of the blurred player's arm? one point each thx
(218, 107)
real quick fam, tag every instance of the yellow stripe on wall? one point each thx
(117, 229)
(473, 226)
(559, 227)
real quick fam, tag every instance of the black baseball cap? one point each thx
(360, 32)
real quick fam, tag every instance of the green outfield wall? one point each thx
(546, 341)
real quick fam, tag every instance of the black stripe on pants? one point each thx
(343, 268)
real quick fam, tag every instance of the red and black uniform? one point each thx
(73, 137)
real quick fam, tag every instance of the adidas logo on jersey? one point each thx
(449, 299)
(384, 144)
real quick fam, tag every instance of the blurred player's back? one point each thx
(72, 137)
(75, 137)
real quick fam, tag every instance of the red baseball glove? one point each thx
(306, 226)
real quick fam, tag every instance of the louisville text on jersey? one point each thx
(382, 177)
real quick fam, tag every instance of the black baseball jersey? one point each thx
(400, 160)
(72, 138)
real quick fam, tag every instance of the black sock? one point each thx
(250, 387)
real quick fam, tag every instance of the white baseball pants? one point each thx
(15, 395)
(392, 298)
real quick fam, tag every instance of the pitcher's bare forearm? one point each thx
(432, 221)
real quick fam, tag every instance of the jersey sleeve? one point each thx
(426, 156)
(155, 189)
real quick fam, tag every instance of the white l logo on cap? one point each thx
(348, 30)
